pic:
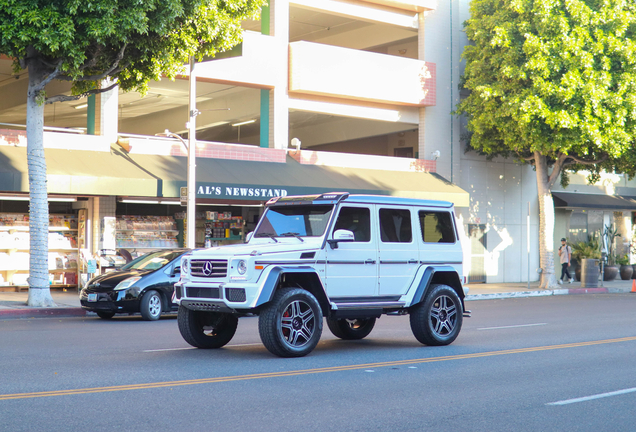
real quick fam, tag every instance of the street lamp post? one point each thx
(190, 146)
(191, 199)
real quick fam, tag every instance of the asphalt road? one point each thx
(560, 363)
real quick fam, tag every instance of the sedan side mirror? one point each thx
(341, 235)
(176, 271)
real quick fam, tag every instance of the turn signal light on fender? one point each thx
(258, 267)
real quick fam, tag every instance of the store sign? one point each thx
(209, 191)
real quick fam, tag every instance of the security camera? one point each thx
(436, 154)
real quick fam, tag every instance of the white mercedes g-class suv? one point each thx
(348, 258)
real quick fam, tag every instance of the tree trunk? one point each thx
(39, 289)
(546, 223)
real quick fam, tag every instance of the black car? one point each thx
(143, 285)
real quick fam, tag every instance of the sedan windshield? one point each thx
(153, 260)
(295, 220)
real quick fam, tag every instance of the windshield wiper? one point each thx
(272, 236)
(293, 234)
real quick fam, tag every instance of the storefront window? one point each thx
(595, 223)
(578, 227)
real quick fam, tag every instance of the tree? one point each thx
(553, 83)
(130, 42)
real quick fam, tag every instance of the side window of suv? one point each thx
(437, 227)
(356, 220)
(395, 226)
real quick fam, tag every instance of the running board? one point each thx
(368, 305)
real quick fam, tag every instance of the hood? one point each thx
(111, 279)
(261, 247)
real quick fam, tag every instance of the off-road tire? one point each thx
(206, 329)
(438, 319)
(151, 306)
(290, 325)
(105, 315)
(351, 329)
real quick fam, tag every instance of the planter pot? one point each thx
(590, 271)
(634, 274)
(627, 271)
(610, 273)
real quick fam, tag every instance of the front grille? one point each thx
(235, 294)
(196, 292)
(208, 268)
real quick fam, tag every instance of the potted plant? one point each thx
(626, 269)
(589, 249)
(611, 269)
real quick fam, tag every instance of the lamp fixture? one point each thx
(81, 106)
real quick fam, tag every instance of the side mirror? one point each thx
(341, 236)
(249, 236)
(176, 271)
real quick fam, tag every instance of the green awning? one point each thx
(118, 173)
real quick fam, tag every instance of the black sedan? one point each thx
(143, 285)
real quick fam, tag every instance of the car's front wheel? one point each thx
(206, 329)
(291, 324)
(438, 319)
(351, 329)
(151, 306)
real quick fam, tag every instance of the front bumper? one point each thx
(109, 301)
(220, 297)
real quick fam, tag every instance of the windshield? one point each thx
(296, 220)
(153, 260)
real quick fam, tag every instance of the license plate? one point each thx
(92, 297)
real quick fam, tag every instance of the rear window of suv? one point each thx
(437, 227)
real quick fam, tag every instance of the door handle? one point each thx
(413, 261)
(369, 261)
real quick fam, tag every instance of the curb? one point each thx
(545, 293)
(64, 312)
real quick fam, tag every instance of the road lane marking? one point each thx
(169, 349)
(512, 326)
(225, 379)
(190, 348)
(596, 396)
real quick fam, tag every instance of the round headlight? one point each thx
(185, 266)
(242, 267)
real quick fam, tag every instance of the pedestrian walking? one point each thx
(565, 255)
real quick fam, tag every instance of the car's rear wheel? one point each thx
(105, 315)
(437, 320)
(291, 324)
(151, 306)
(206, 329)
(351, 329)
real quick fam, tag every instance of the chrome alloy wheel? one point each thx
(298, 323)
(443, 317)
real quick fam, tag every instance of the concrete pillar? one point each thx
(107, 112)
(422, 150)
(278, 97)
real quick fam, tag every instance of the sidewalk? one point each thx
(14, 304)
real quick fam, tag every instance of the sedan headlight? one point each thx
(127, 283)
(241, 267)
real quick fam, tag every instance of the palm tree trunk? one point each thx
(546, 224)
(39, 289)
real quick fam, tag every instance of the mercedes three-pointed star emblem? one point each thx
(207, 268)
